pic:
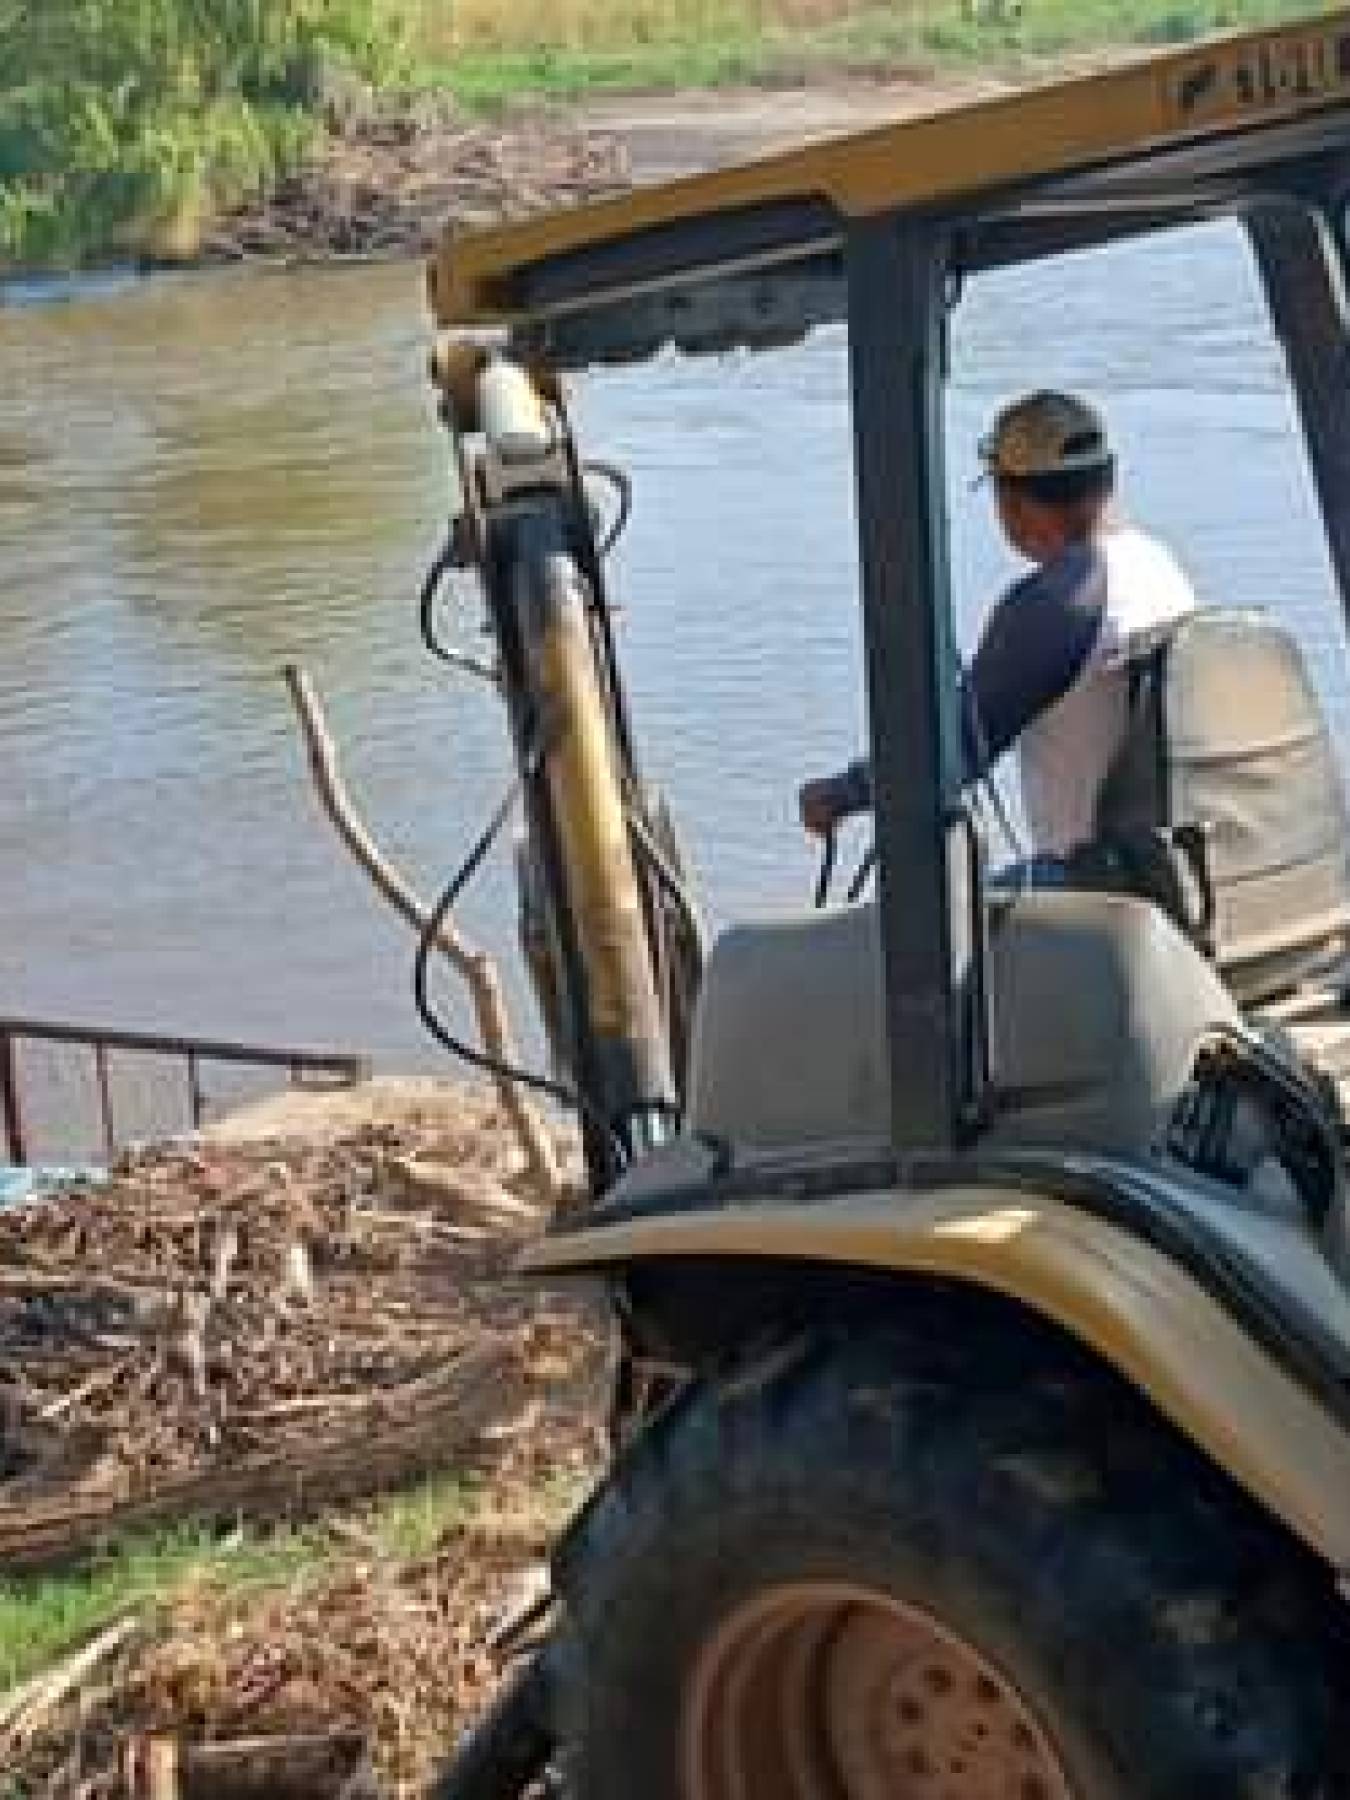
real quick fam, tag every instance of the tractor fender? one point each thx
(1130, 1304)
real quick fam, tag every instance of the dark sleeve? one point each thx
(1035, 646)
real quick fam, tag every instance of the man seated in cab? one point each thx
(1052, 674)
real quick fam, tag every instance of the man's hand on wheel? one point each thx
(822, 806)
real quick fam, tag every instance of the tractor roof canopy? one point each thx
(753, 255)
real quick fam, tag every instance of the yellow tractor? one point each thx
(980, 1258)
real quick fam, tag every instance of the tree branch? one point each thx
(475, 966)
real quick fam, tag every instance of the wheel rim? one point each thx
(830, 1693)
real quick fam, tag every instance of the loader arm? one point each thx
(613, 982)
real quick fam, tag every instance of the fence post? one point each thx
(105, 1100)
(197, 1097)
(9, 1100)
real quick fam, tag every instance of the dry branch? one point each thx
(393, 1437)
(330, 1766)
(27, 1710)
(474, 965)
(91, 1385)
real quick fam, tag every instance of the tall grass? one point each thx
(124, 119)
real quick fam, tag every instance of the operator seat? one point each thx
(1227, 735)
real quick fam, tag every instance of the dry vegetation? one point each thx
(600, 24)
(936, 27)
(388, 185)
(245, 1334)
(490, 51)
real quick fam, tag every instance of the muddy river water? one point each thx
(202, 478)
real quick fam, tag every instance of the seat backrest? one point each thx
(1227, 733)
(1098, 1004)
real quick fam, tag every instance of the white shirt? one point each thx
(1067, 751)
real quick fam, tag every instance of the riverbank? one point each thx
(498, 132)
(364, 130)
(388, 181)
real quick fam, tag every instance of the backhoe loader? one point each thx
(979, 1259)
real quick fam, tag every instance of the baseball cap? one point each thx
(1046, 434)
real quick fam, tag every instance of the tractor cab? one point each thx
(885, 1188)
(1224, 812)
(1197, 959)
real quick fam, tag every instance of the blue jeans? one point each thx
(1036, 872)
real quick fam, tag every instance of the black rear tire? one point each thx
(1163, 1639)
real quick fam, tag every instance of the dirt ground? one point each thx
(664, 137)
(314, 1299)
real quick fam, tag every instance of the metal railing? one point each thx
(331, 1068)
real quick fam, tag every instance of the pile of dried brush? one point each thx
(238, 1328)
(390, 184)
(258, 1328)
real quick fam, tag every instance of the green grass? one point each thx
(484, 80)
(506, 57)
(409, 1526)
(42, 1617)
(1054, 27)
(124, 123)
